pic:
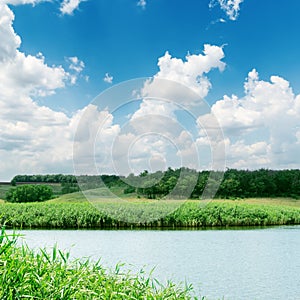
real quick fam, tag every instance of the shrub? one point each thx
(29, 193)
(129, 190)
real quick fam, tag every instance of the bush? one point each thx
(29, 193)
(129, 190)
(69, 187)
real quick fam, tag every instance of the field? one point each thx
(80, 198)
(273, 201)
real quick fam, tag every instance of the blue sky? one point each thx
(125, 40)
(56, 55)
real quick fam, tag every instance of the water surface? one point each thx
(234, 264)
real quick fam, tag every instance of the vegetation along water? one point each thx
(189, 214)
(25, 274)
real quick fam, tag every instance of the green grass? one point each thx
(80, 198)
(25, 274)
(146, 215)
(271, 201)
(99, 195)
(70, 198)
(74, 211)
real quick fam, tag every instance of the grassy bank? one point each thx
(25, 274)
(142, 215)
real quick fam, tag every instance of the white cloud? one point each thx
(21, 2)
(69, 6)
(108, 78)
(30, 75)
(76, 67)
(180, 82)
(230, 7)
(261, 128)
(20, 73)
(95, 133)
(142, 3)
(10, 41)
(191, 71)
(33, 138)
(76, 64)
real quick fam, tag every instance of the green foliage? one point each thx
(129, 190)
(29, 193)
(176, 183)
(4, 188)
(189, 214)
(69, 187)
(27, 274)
(235, 183)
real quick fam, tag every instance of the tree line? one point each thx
(184, 182)
(234, 183)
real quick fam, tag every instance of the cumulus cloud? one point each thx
(180, 81)
(69, 6)
(10, 41)
(262, 128)
(180, 84)
(108, 78)
(24, 73)
(33, 138)
(230, 7)
(191, 71)
(95, 133)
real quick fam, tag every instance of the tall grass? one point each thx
(189, 214)
(25, 274)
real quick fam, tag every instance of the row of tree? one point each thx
(231, 184)
(184, 182)
(49, 178)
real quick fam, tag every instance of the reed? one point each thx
(114, 215)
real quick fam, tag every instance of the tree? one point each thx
(229, 188)
(69, 187)
(29, 193)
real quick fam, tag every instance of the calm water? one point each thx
(234, 264)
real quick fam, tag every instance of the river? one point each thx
(230, 264)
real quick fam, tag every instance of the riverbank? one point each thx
(160, 214)
(41, 275)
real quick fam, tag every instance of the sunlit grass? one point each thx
(98, 195)
(164, 214)
(80, 197)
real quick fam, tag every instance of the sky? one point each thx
(119, 86)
